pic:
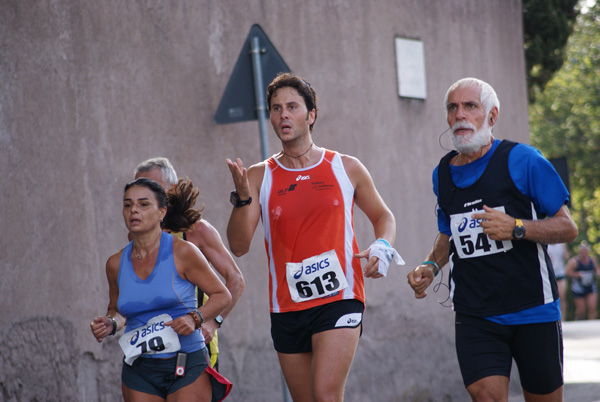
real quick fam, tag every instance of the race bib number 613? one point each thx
(315, 277)
(469, 239)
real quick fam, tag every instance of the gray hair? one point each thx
(166, 169)
(487, 95)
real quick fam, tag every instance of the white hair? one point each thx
(167, 171)
(487, 95)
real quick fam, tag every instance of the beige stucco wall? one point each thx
(90, 88)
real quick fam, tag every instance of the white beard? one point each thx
(469, 143)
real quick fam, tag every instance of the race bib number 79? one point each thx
(315, 277)
(469, 239)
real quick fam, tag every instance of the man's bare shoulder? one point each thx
(256, 173)
(349, 159)
(257, 168)
(353, 166)
(202, 226)
(200, 232)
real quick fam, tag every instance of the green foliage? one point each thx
(565, 121)
(547, 25)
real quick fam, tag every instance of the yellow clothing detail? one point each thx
(213, 346)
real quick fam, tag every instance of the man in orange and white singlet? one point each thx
(305, 196)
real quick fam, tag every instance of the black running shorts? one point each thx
(157, 376)
(292, 332)
(485, 348)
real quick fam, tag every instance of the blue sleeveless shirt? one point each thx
(164, 291)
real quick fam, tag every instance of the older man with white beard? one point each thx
(500, 204)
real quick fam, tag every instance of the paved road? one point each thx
(581, 362)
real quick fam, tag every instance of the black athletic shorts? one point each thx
(582, 291)
(485, 348)
(157, 376)
(292, 332)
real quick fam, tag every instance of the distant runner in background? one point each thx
(583, 270)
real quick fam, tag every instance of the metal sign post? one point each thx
(261, 109)
(244, 97)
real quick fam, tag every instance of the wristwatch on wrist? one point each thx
(237, 202)
(114, 325)
(519, 230)
(219, 320)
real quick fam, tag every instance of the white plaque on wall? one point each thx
(410, 68)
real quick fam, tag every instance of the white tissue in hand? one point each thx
(386, 255)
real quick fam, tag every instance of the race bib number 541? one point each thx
(469, 239)
(315, 277)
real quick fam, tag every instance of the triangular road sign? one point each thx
(238, 102)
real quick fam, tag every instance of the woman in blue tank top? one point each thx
(152, 295)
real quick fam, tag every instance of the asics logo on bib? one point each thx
(471, 223)
(157, 326)
(298, 273)
(309, 269)
(300, 177)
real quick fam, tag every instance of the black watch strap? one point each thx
(237, 202)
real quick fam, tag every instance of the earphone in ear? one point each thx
(492, 120)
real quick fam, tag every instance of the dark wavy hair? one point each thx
(179, 200)
(299, 84)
